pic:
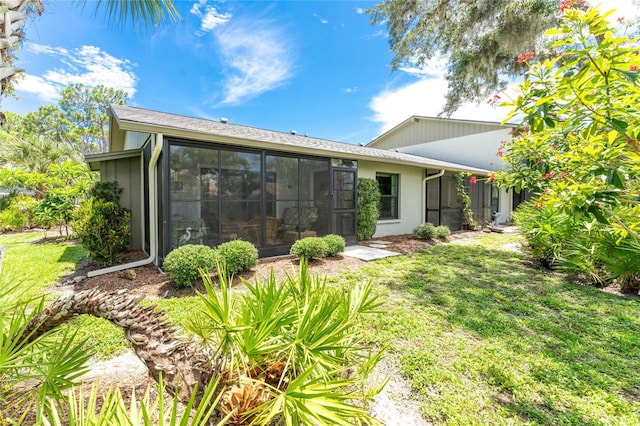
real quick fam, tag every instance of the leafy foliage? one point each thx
(238, 256)
(290, 352)
(426, 231)
(368, 207)
(101, 224)
(467, 213)
(186, 263)
(335, 244)
(309, 248)
(577, 148)
(481, 40)
(443, 231)
(18, 213)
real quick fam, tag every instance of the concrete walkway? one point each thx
(375, 250)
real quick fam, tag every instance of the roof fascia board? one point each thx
(250, 143)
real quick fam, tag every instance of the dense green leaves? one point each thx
(291, 351)
(368, 207)
(577, 149)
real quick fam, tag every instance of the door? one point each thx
(344, 204)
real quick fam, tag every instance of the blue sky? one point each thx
(317, 67)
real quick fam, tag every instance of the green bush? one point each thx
(309, 248)
(12, 219)
(335, 244)
(102, 225)
(238, 256)
(443, 231)
(18, 213)
(186, 263)
(368, 207)
(299, 340)
(426, 231)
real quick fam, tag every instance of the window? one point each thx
(388, 184)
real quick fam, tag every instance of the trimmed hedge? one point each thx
(426, 231)
(335, 244)
(309, 248)
(185, 263)
(238, 256)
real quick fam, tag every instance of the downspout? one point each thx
(424, 192)
(153, 217)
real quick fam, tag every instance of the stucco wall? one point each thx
(410, 196)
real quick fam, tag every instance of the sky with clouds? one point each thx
(317, 67)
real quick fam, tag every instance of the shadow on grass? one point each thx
(568, 339)
(72, 254)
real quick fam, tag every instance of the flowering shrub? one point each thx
(580, 156)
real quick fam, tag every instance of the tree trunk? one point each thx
(183, 364)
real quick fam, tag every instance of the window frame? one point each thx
(390, 196)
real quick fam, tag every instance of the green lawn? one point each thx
(481, 336)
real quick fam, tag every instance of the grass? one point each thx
(481, 336)
(35, 263)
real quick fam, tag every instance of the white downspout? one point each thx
(153, 217)
(424, 192)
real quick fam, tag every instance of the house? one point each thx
(194, 181)
(472, 143)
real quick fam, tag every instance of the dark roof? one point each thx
(144, 120)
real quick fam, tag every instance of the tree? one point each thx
(87, 110)
(577, 148)
(481, 40)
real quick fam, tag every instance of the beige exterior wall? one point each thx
(411, 204)
(128, 173)
(421, 130)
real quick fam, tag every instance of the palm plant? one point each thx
(289, 352)
(34, 370)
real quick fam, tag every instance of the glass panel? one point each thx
(240, 175)
(314, 197)
(191, 219)
(345, 223)
(433, 194)
(344, 190)
(281, 222)
(388, 184)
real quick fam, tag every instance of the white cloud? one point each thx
(350, 89)
(425, 97)
(209, 15)
(88, 65)
(258, 57)
(40, 87)
(360, 11)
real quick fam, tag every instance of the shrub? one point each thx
(309, 248)
(18, 213)
(443, 231)
(368, 207)
(426, 231)
(238, 256)
(12, 219)
(300, 341)
(102, 225)
(186, 263)
(335, 244)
